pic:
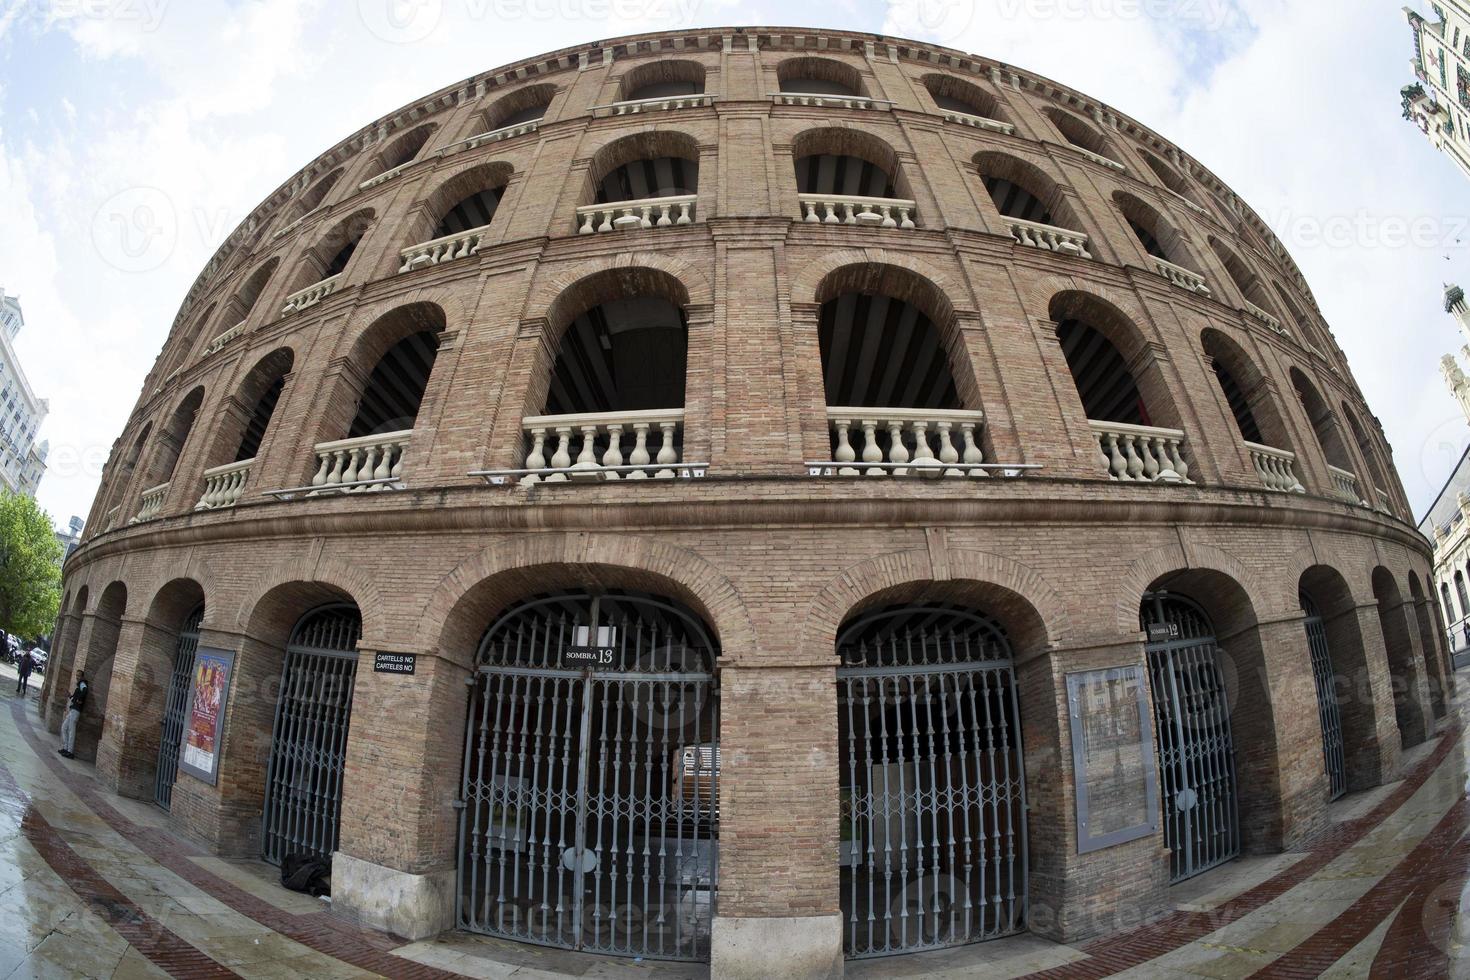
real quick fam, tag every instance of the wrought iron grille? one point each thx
(1192, 726)
(175, 710)
(303, 796)
(1328, 711)
(933, 793)
(590, 815)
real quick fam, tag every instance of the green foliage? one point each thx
(30, 567)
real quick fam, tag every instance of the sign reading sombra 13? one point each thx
(591, 650)
(209, 694)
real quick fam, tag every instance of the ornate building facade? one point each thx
(22, 458)
(751, 495)
(1439, 102)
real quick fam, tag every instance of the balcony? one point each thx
(1345, 485)
(1100, 159)
(905, 441)
(223, 485)
(1141, 453)
(606, 446)
(1181, 277)
(651, 212)
(846, 209)
(1188, 203)
(1254, 311)
(218, 343)
(829, 101)
(456, 246)
(1385, 502)
(152, 504)
(366, 463)
(1049, 237)
(384, 177)
(978, 122)
(1276, 468)
(311, 295)
(632, 107)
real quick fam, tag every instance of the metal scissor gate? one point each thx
(590, 817)
(1192, 721)
(933, 792)
(303, 787)
(176, 709)
(1328, 711)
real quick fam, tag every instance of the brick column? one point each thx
(1365, 699)
(127, 757)
(1407, 673)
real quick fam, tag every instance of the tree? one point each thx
(30, 567)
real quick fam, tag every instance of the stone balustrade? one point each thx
(1188, 203)
(632, 107)
(152, 504)
(829, 101)
(849, 209)
(1181, 277)
(286, 230)
(1141, 453)
(223, 485)
(592, 445)
(913, 441)
(1276, 468)
(979, 122)
(384, 177)
(493, 136)
(365, 463)
(1255, 311)
(111, 521)
(218, 343)
(311, 295)
(446, 249)
(1037, 235)
(1100, 159)
(1385, 502)
(1345, 485)
(650, 212)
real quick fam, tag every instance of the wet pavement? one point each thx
(95, 886)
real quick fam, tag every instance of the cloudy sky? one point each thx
(135, 134)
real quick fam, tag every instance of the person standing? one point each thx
(23, 667)
(73, 715)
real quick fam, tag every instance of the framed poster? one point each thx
(204, 728)
(1112, 757)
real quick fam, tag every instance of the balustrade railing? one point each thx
(361, 464)
(1345, 485)
(1197, 209)
(152, 504)
(447, 249)
(311, 295)
(384, 177)
(218, 343)
(1037, 235)
(605, 445)
(650, 212)
(223, 485)
(979, 122)
(631, 107)
(1099, 158)
(828, 101)
(916, 441)
(111, 521)
(1141, 453)
(1253, 310)
(849, 209)
(1181, 277)
(493, 136)
(286, 230)
(1385, 502)
(1276, 468)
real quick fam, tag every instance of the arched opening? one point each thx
(1434, 672)
(952, 94)
(241, 429)
(591, 777)
(167, 448)
(1230, 364)
(1245, 280)
(662, 78)
(328, 258)
(1168, 176)
(97, 664)
(1405, 676)
(59, 679)
(1329, 438)
(524, 105)
(1080, 134)
(846, 176)
(464, 203)
(1463, 607)
(162, 710)
(244, 300)
(317, 193)
(646, 165)
(1352, 756)
(614, 394)
(819, 76)
(1378, 493)
(1248, 396)
(303, 784)
(402, 150)
(1024, 191)
(1160, 240)
(121, 478)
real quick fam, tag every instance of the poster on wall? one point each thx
(1112, 756)
(209, 694)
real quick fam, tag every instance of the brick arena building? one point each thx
(751, 495)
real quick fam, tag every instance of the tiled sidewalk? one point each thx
(96, 886)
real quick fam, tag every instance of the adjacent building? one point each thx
(71, 537)
(1445, 523)
(22, 458)
(1439, 101)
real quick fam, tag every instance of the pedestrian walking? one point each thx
(73, 715)
(23, 667)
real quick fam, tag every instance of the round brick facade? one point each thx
(780, 193)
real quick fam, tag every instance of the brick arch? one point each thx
(198, 569)
(338, 575)
(451, 186)
(465, 600)
(864, 581)
(546, 296)
(1145, 571)
(807, 281)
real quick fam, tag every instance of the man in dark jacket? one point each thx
(74, 708)
(24, 666)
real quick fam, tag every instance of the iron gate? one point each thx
(1328, 712)
(1192, 722)
(933, 794)
(175, 710)
(590, 816)
(303, 787)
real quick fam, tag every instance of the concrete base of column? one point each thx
(800, 948)
(408, 905)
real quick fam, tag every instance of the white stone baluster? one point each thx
(667, 454)
(614, 454)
